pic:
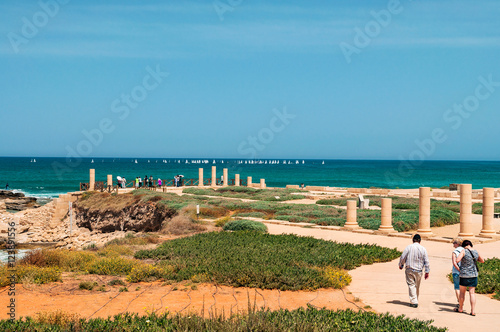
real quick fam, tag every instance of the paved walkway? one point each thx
(383, 286)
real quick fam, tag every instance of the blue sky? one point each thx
(251, 79)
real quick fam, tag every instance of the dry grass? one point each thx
(58, 317)
(181, 225)
(107, 201)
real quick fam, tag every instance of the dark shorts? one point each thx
(468, 282)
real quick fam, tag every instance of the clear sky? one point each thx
(239, 79)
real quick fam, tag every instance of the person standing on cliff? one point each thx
(416, 260)
(7, 186)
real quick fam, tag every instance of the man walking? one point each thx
(416, 260)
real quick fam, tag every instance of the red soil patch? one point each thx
(143, 298)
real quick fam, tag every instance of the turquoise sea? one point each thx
(49, 177)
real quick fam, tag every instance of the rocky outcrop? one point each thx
(36, 226)
(139, 217)
(17, 201)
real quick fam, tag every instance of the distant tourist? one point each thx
(145, 180)
(7, 186)
(140, 182)
(136, 182)
(469, 272)
(159, 182)
(150, 180)
(176, 181)
(455, 271)
(416, 260)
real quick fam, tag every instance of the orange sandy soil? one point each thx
(143, 298)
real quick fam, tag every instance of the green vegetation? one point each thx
(489, 277)
(248, 193)
(252, 259)
(302, 319)
(477, 208)
(341, 201)
(88, 285)
(245, 225)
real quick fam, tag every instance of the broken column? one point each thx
(225, 177)
(351, 222)
(92, 179)
(214, 176)
(386, 219)
(200, 177)
(424, 212)
(237, 180)
(249, 181)
(465, 211)
(262, 183)
(488, 211)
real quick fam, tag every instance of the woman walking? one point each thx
(469, 272)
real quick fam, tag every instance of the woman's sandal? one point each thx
(472, 314)
(456, 310)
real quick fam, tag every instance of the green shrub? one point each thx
(88, 285)
(245, 225)
(489, 277)
(144, 272)
(254, 259)
(115, 282)
(302, 319)
(114, 266)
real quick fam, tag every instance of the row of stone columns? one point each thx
(225, 178)
(424, 222)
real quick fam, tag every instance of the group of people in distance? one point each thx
(465, 271)
(150, 182)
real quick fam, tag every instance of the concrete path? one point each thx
(383, 286)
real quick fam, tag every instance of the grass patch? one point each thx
(252, 259)
(245, 225)
(489, 277)
(248, 193)
(302, 319)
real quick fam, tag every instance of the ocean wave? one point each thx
(38, 195)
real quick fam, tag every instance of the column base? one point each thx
(351, 226)
(489, 234)
(466, 235)
(425, 232)
(385, 229)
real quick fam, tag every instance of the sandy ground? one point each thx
(143, 298)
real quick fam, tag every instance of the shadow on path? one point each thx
(406, 304)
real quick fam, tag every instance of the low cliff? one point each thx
(104, 212)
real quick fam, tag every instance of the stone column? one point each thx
(226, 177)
(92, 179)
(110, 181)
(488, 210)
(465, 211)
(351, 215)
(214, 176)
(386, 220)
(262, 183)
(424, 212)
(237, 180)
(249, 181)
(200, 177)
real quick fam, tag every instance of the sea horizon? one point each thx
(49, 177)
